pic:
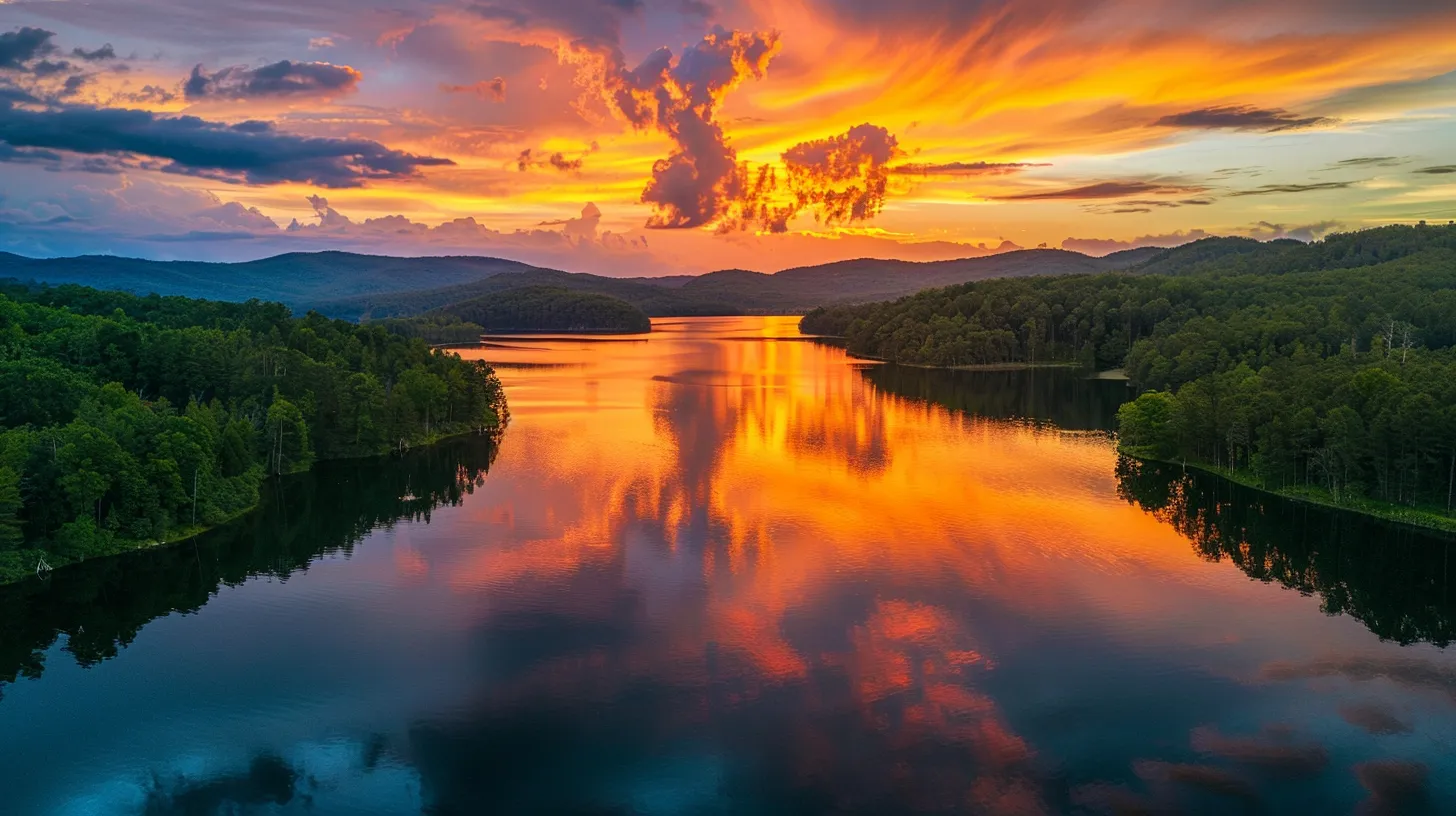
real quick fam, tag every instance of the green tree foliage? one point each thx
(101, 605)
(10, 504)
(437, 329)
(126, 420)
(546, 308)
(1327, 368)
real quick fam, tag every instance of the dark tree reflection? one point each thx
(1062, 397)
(1394, 579)
(101, 605)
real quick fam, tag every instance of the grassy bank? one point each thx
(1426, 518)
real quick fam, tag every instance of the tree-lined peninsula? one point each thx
(127, 421)
(548, 309)
(1325, 371)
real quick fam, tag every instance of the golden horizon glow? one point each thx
(1047, 97)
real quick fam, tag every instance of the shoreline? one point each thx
(26, 568)
(1427, 521)
(1116, 374)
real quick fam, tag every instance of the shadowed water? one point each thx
(722, 570)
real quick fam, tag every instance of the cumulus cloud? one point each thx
(147, 95)
(143, 218)
(846, 176)
(105, 52)
(1107, 246)
(1241, 117)
(841, 179)
(529, 159)
(23, 45)
(1267, 231)
(1105, 190)
(248, 152)
(583, 228)
(285, 78)
(493, 90)
(700, 179)
(28, 74)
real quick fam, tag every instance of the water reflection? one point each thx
(100, 606)
(1395, 580)
(727, 571)
(1065, 398)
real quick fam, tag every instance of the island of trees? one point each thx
(128, 421)
(1325, 371)
(547, 309)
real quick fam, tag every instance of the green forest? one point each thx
(548, 309)
(1322, 370)
(127, 421)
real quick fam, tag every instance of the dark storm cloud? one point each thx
(280, 79)
(1395, 787)
(105, 52)
(19, 155)
(1106, 189)
(980, 168)
(1240, 117)
(491, 89)
(23, 45)
(1275, 189)
(248, 152)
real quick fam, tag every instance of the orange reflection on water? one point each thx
(746, 489)
(780, 470)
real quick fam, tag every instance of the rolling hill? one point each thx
(355, 287)
(549, 309)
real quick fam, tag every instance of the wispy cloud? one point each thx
(1278, 189)
(1241, 117)
(285, 78)
(1107, 190)
(247, 152)
(978, 168)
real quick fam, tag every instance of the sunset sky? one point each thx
(646, 137)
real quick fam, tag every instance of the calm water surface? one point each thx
(724, 570)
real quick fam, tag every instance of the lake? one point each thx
(726, 570)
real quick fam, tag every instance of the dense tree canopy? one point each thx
(126, 420)
(1326, 368)
(549, 309)
(102, 605)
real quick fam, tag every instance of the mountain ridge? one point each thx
(360, 286)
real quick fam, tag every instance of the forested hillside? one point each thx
(548, 309)
(372, 287)
(1326, 369)
(299, 280)
(128, 420)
